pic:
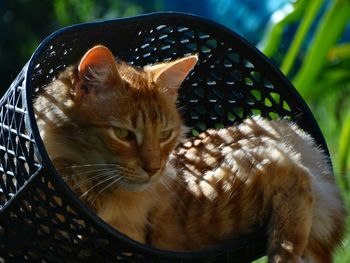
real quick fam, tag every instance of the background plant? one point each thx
(318, 67)
(318, 63)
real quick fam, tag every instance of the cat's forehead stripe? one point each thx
(140, 119)
(150, 115)
(139, 125)
(139, 137)
(121, 124)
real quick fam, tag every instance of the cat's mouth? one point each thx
(139, 181)
(102, 179)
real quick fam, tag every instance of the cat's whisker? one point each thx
(91, 179)
(91, 165)
(110, 165)
(118, 179)
(99, 167)
(86, 172)
(93, 172)
(99, 183)
(95, 164)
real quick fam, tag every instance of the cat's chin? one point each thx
(137, 186)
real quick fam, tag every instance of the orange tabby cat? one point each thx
(115, 135)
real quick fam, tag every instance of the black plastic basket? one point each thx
(41, 219)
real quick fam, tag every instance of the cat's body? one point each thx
(114, 133)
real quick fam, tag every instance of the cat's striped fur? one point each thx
(114, 133)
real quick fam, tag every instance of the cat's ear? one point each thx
(170, 75)
(97, 71)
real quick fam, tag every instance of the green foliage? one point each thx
(323, 78)
(329, 31)
(25, 23)
(324, 70)
(280, 20)
(309, 16)
(344, 151)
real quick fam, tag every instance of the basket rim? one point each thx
(68, 192)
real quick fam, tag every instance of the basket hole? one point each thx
(188, 34)
(256, 94)
(286, 106)
(165, 29)
(205, 49)
(182, 29)
(227, 64)
(237, 75)
(248, 82)
(255, 75)
(195, 132)
(219, 109)
(230, 116)
(274, 115)
(256, 112)
(201, 126)
(234, 57)
(238, 111)
(276, 97)
(41, 212)
(192, 47)
(230, 82)
(216, 74)
(194, 115)
(268, 84)
(201, 109)
(211, 83)
(160, 27)
(199, 91)
(219, 93)
(248, 64)
(184, 40)
(219, 126)
(43, 229)
(202, 35)
(164, 36)
(212, 43)
(267, 102)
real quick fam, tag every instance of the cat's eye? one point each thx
(122, 134)
(165, 135)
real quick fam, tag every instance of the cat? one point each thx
(115, 135)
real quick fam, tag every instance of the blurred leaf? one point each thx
(25, 23)
(329, 31)
(339, 52)
(278, 22)
(261, 260)
(344, 151)
(335, 76)
(311, 11)
(74, 11)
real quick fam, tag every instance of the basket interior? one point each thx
(41, 218)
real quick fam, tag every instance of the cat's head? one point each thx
(119, 116)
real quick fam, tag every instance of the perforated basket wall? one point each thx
(41, 220)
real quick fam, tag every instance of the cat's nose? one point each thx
(151, 170)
